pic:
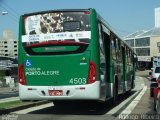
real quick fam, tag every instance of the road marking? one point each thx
(137, 88)
(25, 111)
(9, 99)
(117, 108)
(133, 104)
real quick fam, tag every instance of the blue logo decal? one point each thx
(28, 63)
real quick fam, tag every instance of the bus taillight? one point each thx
(22, 79)
(92, 73)
(87, 12)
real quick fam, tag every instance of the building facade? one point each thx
(8, 45)
(146, 44)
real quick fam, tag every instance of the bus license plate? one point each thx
(55, 92)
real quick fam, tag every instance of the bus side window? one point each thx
(102, 52)
(130, 57)
(113, 44)
(127, 56)
(119, 53)
(101, 40)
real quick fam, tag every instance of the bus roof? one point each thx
(58, 10)
(106, 24)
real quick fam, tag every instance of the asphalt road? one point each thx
(145, 106)
(75, 111)
(7, 92)
(92, 110)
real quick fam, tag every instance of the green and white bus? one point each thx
(72, 54)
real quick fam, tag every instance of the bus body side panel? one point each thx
(95, 54)
(94, 45)
(110, 81)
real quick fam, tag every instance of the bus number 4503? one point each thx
(77, 81)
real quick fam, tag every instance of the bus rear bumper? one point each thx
(70, 92)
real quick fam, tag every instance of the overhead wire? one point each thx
(10, 14)
(11, 9)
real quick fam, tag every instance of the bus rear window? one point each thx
(56, 22)
(57, 26)
(71, 25)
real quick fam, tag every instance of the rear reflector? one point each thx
(92, 73)
(29, 88)
(82, 88)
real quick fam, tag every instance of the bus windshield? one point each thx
(56, 26)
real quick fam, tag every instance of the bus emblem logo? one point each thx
(28, 63)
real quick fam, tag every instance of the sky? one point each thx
(124, 16)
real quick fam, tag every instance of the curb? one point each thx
(7, 111)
